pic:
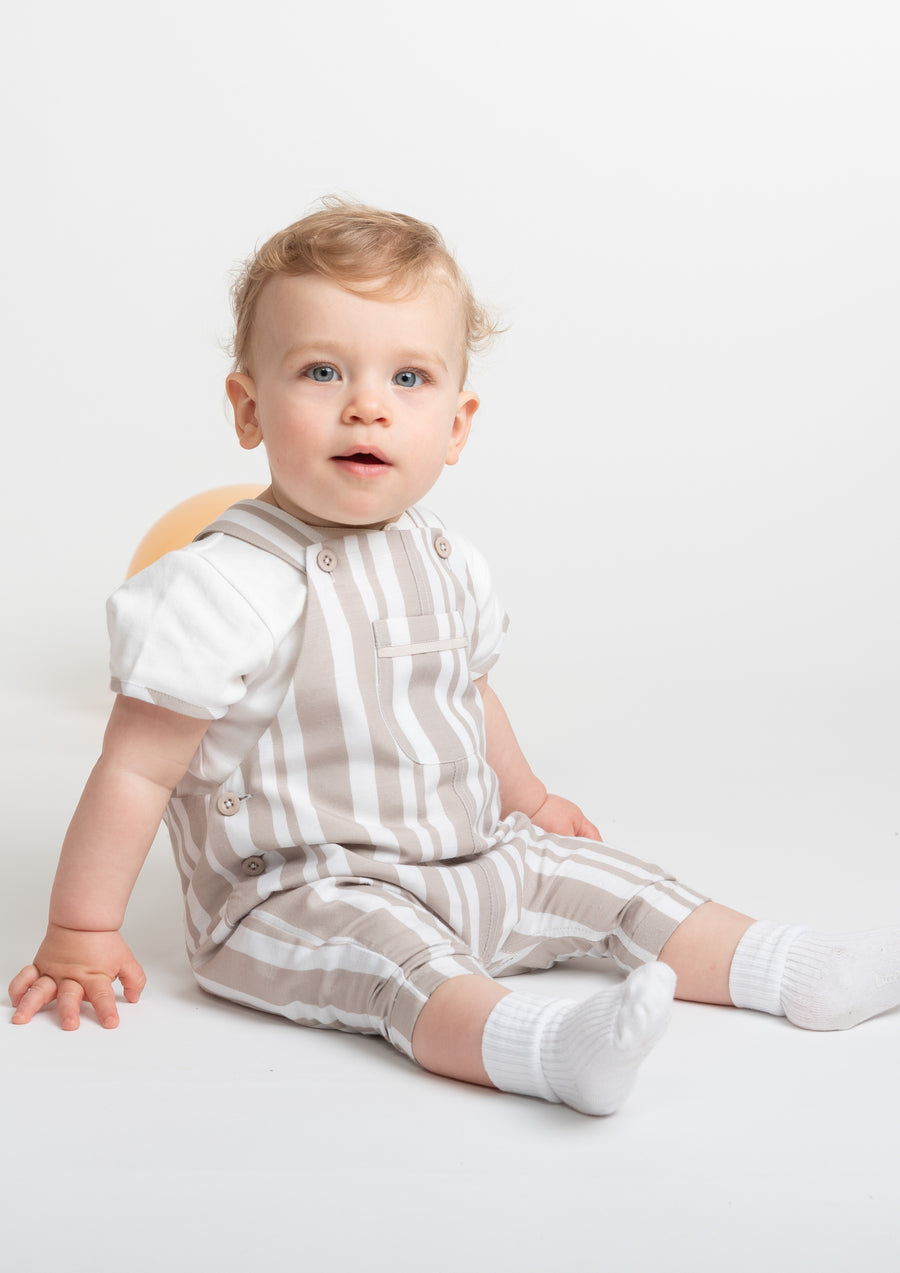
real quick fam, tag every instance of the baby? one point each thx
(303, 696)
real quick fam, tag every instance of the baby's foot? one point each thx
(817, 981)
(591, 1054)
(833, 983)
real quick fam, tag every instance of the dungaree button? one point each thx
(253, 866)
(442, 547)
(327, 560)
(228, 803)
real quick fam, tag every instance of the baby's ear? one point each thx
(466, 407)
(242, 394)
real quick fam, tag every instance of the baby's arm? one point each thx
(146, 750)
(520, 790)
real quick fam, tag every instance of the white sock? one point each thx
(817, 981)
(583, 1054)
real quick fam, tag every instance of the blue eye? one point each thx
(409, 379)
(322, 373)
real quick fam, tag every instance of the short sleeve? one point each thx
(184, 637)
(486, 640)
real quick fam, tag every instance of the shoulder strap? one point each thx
(424, 518)
(276, 532)
(265, 527)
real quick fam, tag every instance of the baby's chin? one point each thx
(278, 500)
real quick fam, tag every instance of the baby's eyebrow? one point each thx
(324, 350)
(313, 349)
(422, 355)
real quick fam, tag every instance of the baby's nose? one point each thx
(366, 406)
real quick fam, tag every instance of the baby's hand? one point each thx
(72, 966)
(562, 817)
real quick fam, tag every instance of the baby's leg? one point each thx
(366, 956)
(701, 951)
(579, 897)
(582, 1054)
(345, 954)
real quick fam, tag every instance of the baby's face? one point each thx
(357, 400)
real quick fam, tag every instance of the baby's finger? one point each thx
(41, 992)
(22, 981)
(68, 1004)
(100, 995)
(133, 980)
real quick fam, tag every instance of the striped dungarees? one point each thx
(356, 859)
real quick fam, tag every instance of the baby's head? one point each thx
(353, 331)
(382, 255)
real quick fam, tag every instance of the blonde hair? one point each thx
(353, 245)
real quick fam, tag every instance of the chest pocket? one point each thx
(425, 692)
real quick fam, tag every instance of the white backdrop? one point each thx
(685, 466)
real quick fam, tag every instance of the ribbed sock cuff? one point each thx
(511, 1043)
(757, 970)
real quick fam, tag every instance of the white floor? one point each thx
(202, 1135)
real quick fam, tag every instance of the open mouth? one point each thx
(362, 463)
(363, 457)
